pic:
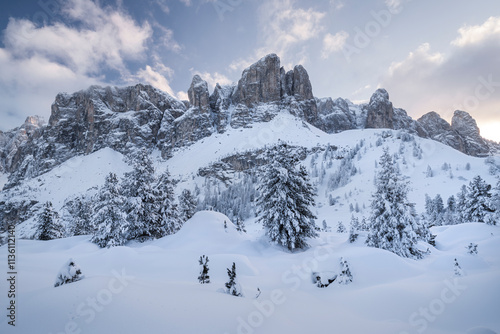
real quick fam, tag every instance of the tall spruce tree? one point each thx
(187, 205)
(81, 210)
(112, 227)
(49, 226)
(478, 201)
(141, 205)
(394, 224)
(286, 199)
(168, 211)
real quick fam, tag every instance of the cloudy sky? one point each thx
(437, 55)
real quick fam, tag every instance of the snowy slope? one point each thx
(158, 292)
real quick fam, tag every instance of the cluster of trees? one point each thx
(237, 200)
(477, 202)
(141, 205)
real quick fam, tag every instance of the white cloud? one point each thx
(333, 43)
(336, 4)
(470, 35)
(284, 30)
(467, 77)
(213, 78)
(40, 61)
(154, 78)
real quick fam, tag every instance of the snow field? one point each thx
(158, 291)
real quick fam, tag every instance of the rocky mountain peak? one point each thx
(260, 82)
(198, 94)
(380, 112)
(462, 122)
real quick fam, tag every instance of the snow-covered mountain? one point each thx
(214, 145)
(141, 116)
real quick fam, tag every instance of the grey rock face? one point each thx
(466, 127)
(86, 121)
(11, 141)
(380, 113)
(335, 116)
(198, 94)
(463, 134)
(260, 83)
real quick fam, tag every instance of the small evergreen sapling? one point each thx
(341, 228)
(204, 278)
(457, 269)
(353, 230)
(69, 273)
(472, 248)
(345, 276)
(326, 228)
(232, 286)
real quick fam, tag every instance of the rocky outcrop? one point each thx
(198, 94)
(335, 116)
(380, 113)
(260, 83)
(466, 127)
(463, 133)
(11, 141)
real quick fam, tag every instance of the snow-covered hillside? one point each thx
(152, 287)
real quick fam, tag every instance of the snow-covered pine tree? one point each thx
(438, 210)
(393, 222)
(232, 286)
(341, 228)
(187, 205)
(204, 277)
(461, 216)
(286, 198)
(326, 228)
(112, 227)
(495, 202)
(69, 273)
(49, 226)
(354, 229)
(450, 211)
(168, 215)
(457, 269)
(142, 206)
(429, 172)
(478, 201)
(81, 210)
(345, 276)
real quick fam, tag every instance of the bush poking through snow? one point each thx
(232, 286)
(472, 248)
(345, 276)
(457, 269)
(240, 226)
(69, 273)
(204, 278)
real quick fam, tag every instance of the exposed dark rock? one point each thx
(198, 94)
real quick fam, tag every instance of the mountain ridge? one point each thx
(132, 117)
